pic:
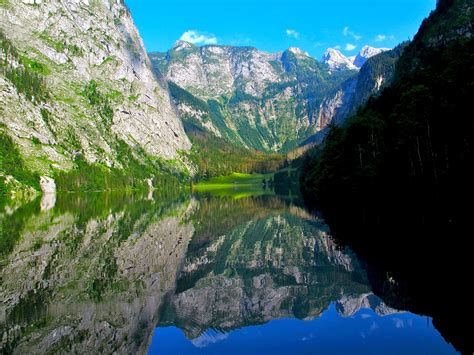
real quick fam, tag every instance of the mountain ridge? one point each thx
(265, 101)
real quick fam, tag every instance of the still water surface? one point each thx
(179, 274)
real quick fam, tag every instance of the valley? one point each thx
(301, 189)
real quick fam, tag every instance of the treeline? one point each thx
(215, 156)
(11, 163)
(26, 80)
(97, 177)
(412, 147)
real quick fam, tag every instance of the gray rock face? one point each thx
(267, 101)
(212, 71)
(75, 42)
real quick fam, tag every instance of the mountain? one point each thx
(375, 74)
(75, 81)
(265, 101)
(366, 53)
(337, 61)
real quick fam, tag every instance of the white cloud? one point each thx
(347, 32)
(292, 33)
(337, 47)
(381, 38)
(196, 37)
(350, 47)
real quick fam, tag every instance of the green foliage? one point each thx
(27, 76)
(236, 185)
(36, 66)
(46, 115)
(11, 227)
(97, 177)
(216, 156)
(11, 163)
(61, 46)
(102, 102)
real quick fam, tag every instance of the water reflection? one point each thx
(99, 272)
(89, 274)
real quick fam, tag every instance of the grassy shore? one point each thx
(235, 184)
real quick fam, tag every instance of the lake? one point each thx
(174, 273)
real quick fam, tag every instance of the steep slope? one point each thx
(98, 98)
(270, 102)
(376, 73)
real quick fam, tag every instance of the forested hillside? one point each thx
(413, 144)
(395, 182)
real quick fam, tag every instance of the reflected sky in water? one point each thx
(365, 332)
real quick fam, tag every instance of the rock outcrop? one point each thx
(266, 101)
(100, 91)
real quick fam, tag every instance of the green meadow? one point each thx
(237, 185)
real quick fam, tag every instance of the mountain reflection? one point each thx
(263, 259)
(91, 273)
(99, 272)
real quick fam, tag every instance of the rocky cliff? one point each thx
(97, 96)
(267, 101)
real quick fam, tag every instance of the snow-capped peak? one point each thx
(366, 53)
(337, 61)
(298, 51)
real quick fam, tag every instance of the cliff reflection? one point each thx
(253, 260)
(90, 273)
(98, 272)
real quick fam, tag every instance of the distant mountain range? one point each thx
(338, 61)
(266, 101)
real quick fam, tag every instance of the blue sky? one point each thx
(274, 25)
